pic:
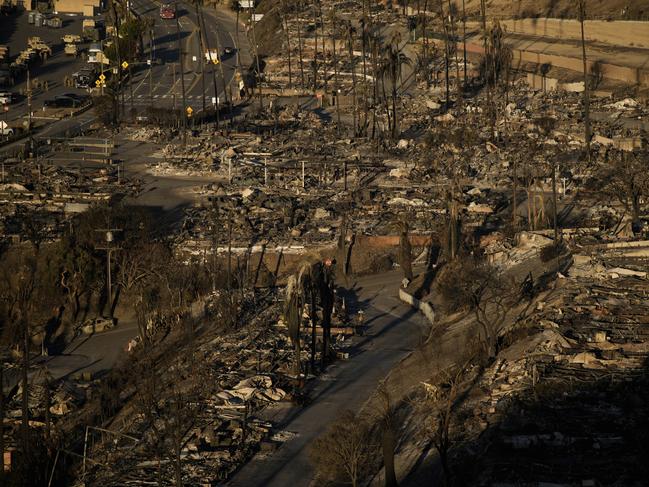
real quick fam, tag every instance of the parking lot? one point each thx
(49, 74)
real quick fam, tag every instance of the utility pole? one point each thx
(130, 86)
(201, 54)
(151, 67)
(29, 109)
(109, 248)
(173, 95)
(215, 98)
(256, 51)
(222, 74)
(119, 61)
(182, 78)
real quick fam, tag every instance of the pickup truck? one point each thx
(6, 98)
(212, 56)
(71, 38)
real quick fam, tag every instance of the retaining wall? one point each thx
(425, 308)
(618, 33)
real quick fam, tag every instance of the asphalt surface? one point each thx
(53, 70)
(394, 330)
(160, 85)
(95, 354)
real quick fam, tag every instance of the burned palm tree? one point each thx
(313, 284)
(392, 67)
(496, 61)
(351, 32)
(405, 250)
(335, 61)
(284, 18)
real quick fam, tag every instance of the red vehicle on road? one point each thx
(168, 11)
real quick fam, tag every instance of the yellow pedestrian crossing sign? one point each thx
(102, 77)
(124, 65)
(189, 111)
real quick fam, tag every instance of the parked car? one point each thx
(79, 97)
(67, 101)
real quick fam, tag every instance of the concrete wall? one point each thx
(619, 33)
(425, 308)
(628, 75)
(74, 6)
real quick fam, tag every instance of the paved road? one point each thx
(92, 353)
(53, 70)
(158, 86)
(161, 85)
(394, 330)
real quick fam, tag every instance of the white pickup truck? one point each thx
(212, 56)
(6, 98)
(5, 130)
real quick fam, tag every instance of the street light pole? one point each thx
(182, 78)
(109, 248)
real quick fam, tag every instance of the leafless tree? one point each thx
(389, 430)
(482, 290)
(443, 398)
(343, 451)
(624, 178)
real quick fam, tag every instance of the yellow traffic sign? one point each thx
(124, 65)
(97, 83)
(189, 111)
(102, 77)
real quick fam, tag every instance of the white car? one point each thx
(6, 98)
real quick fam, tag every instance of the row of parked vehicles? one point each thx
(67, 100)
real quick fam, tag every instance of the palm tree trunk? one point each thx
(457, 63)
(299, 44)
(394, 105)
(446, 52)
(323, 38)
(375, 74)
(587, 129)
(288, 44)
(364, 49)
(335, 60)
(350, 46)
(464, 39)
(315, 53)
